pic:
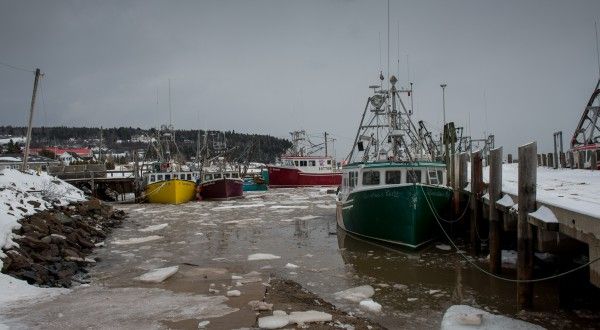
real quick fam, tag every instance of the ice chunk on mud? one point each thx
(370, 306)
(154, 227)
(309, 316)
(234, 293)
(443, 247)
(158, 275)
(291, 266)
(262, 256)
(356, 294)
(137, 240)
(273, 322)
(463, 317)
(203, 324)
(280, 319)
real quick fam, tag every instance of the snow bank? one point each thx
(158, 275)
(356, 294)
(505, 201)
(24, 194)
(463, 317)
(262, 256)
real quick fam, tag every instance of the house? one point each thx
(81, 152)
(68, 157)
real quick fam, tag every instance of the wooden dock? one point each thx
(543, 220)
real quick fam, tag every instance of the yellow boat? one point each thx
(170, 188)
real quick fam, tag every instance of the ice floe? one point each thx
(463, 317)
(154, 227)
(262, 256)
(356, 294)
(158, 275)
(370, 306)
(137, 240)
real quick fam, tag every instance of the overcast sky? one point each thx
(520, 69)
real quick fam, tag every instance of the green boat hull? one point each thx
(395, 214)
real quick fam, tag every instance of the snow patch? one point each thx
(544, 214)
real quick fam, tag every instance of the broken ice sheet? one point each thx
(158, 275)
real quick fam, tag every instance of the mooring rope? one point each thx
(470, 261)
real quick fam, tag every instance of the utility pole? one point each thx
(325, 144)
(27, 142)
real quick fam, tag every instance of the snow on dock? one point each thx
(569, 189)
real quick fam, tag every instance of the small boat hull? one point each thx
(398, 214)
(221, 189)
(170, 192)
(282, 177)
(251, 185)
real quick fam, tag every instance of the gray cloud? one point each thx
(276, 66)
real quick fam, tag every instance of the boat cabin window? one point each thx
(433, 176)
(413, 176)
(227, 175)
(160, 177)
(235, 175)
(189, 176)
(329, 162)
(217, 175)
(182, 176)
(296, 163)
(352, 179)
(302, 163)
(370, 178)
(152, 178)
(167, 176)
(393, 177)
(312, 163)
(207, 177)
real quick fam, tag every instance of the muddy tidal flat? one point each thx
(226, 254)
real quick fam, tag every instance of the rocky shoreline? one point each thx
(54, 245)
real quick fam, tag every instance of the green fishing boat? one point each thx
(393, 187)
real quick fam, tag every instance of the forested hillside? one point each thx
(254, 147)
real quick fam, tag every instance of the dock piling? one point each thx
(476, 190)
(494, 191)
(527, 203)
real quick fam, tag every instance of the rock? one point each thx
(18, 260)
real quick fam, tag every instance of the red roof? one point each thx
(84, 152)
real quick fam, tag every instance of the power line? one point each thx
(15, 67)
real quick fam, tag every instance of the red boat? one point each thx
(297, 171)
(220, 186)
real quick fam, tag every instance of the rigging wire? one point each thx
(15, 67)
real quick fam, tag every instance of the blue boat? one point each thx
(256, 182)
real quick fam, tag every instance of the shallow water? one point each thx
(212, 240)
